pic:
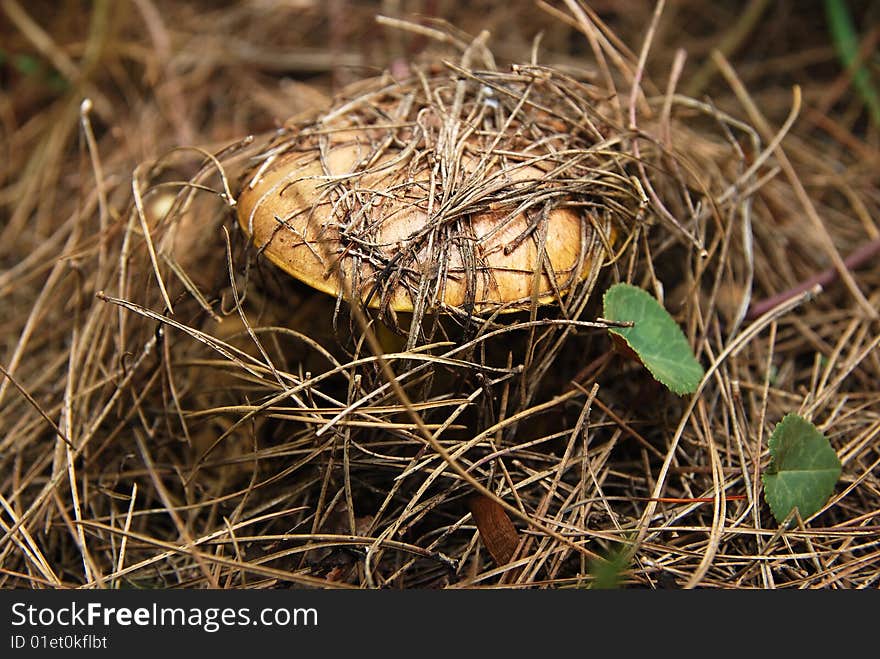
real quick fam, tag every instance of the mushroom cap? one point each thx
(384, 215)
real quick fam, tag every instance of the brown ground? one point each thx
(214, 445)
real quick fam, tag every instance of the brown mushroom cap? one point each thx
(359, 203)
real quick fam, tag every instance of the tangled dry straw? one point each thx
(179, 412)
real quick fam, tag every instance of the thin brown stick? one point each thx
(857, 258)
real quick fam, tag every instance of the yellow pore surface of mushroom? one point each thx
(394, 214)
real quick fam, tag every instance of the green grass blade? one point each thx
(846, 42)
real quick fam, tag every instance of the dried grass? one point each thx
(176, 412)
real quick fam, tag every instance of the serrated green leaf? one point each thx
(803, 470)
(655, 337)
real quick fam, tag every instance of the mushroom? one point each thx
(397, 201)
(440, 195)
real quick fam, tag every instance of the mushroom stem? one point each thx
(388, 339)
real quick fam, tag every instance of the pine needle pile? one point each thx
(178, 411)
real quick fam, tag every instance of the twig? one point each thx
(855, 260)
